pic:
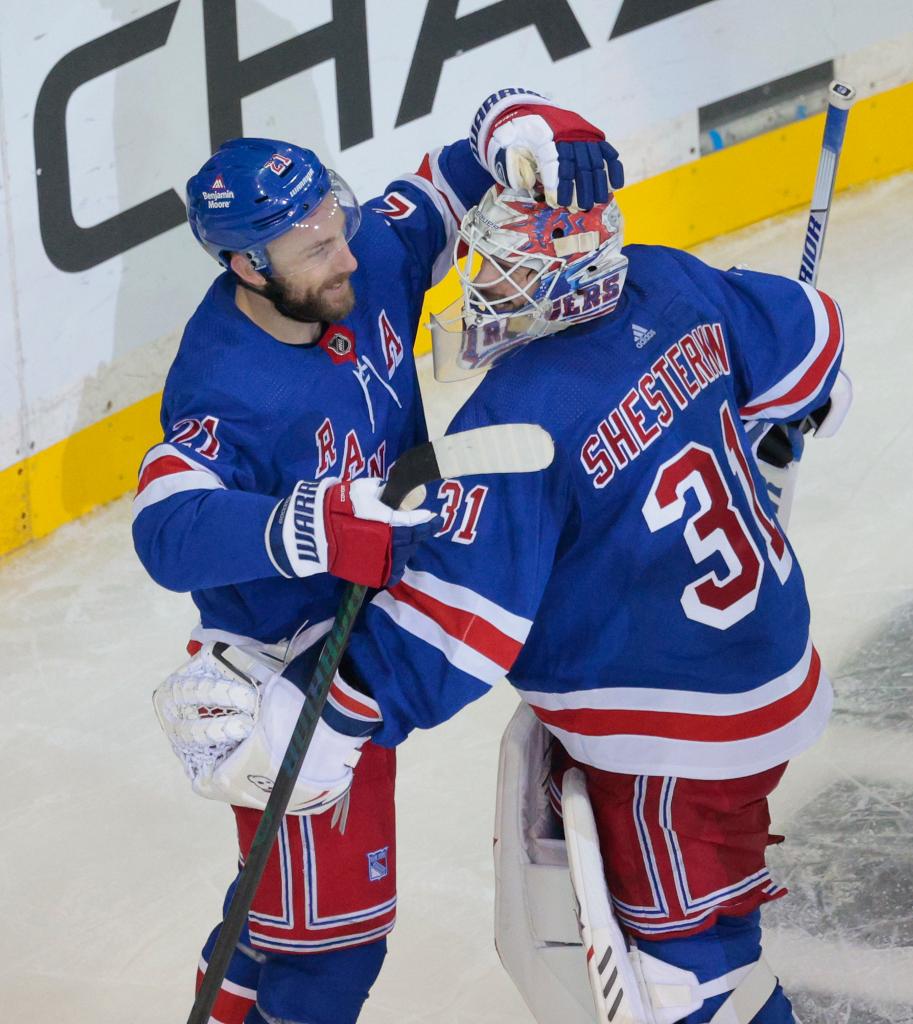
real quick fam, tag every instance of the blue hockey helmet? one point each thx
(251, 191)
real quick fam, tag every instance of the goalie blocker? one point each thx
(578, 967)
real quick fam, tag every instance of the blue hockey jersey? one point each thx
(639, 593)
(245, 416)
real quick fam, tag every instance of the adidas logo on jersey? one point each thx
(642, 335)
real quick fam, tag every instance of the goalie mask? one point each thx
(537, 269)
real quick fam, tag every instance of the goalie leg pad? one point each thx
(535, 928)
(605, 978)
(642, 983)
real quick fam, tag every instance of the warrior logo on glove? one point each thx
(344, 529)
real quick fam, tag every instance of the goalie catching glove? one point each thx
(524, 142)
(343, 528)
(229, 716)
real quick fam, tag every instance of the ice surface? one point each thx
(113, 872)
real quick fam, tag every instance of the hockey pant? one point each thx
(685, 864)
(315, 938)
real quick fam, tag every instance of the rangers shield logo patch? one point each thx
(377, 865)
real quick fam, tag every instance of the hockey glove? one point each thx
(229, 718)
(779, 444)
(526, 143)
(344, 529)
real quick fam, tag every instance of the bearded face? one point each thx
(311, 267)
(322, 301)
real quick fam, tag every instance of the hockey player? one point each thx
(293, 391)
(640, 593)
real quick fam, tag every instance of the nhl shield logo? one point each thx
(377, 865)
(340, 344)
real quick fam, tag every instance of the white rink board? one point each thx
(113, 871)
(93, 340)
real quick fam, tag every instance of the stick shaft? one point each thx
(781, 480)
(273, 813)
(840, 99)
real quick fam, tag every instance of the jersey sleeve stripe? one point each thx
(159, 490)
(353, 703)
(424, 183)
(515, 626)
(160, 467)
(159, 451)
(441, 183)
(424, 179)
(167, 475)
(460, 655)
(464, 626)
(798, 388)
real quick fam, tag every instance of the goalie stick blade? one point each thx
(502, 448)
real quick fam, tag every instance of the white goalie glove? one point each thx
(229, 716)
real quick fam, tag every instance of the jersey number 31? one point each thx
(718, 528)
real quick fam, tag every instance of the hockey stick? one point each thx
(839, 100)
(504, 448)
(778, 463)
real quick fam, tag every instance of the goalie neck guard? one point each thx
(530, 271)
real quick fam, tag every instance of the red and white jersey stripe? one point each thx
(167, 470)
(697, 735)
(352, 703)
(804, 382)
(474, 634)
